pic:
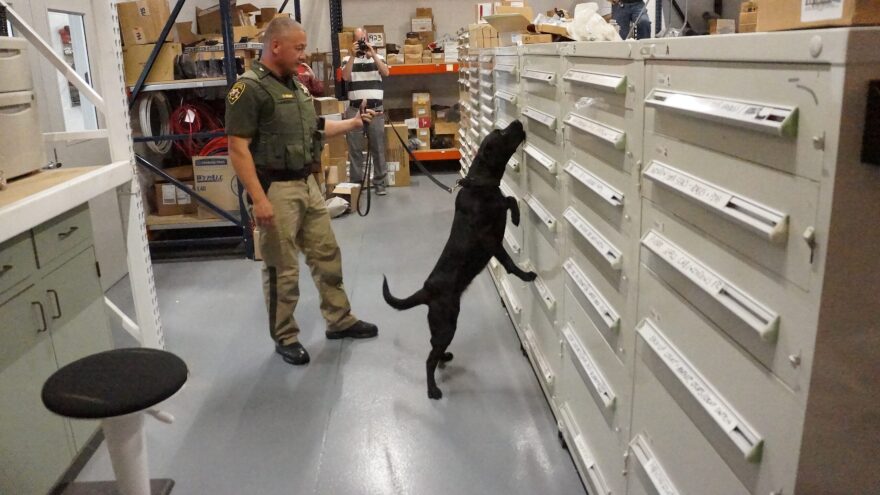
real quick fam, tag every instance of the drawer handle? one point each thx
(64, 235)
(769, 223)
(508, 68)
(540, 75)
(774, 120)
(42, 316)
(15, 109)
(762, 320)
(588, 371)
(487, 98)
(512, 301)
(583, 452)
(487, 124)
(611, 254)
(547, 297)
(513, 164)
(508, 97)
(5, 269)
(541, 117)
(689, 383)
(541, 157)
(543, 368)
(54, 294)
(511, 242)
(600, 305)
(601, 188)
(651, 467)
(612, 136)
(605, 82)
(546, 218)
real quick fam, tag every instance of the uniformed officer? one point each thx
(274, 137)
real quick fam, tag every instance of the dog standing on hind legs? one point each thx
(477, 235)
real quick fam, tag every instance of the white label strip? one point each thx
(485, 132)
(541, 157)
(611, 136)
(512, 301)
(587, 369)
(740, 434)
(513, 164)
(511, 242)
(473, 132)
(762, 320)
(487, 98)
(487, 112)
(487, 124)
(545, 216)
(540, 117)
(504, 95)
(474, 91)
(486, 72)
(543, 368)
(592, 236)
(539, 75)
(595, 184)
(771, 224)
(652, 467)
(615, 84)
(827, 10)
(508, 68)
(588, 460)
(775, 120)
(600, 305)
(547, 297)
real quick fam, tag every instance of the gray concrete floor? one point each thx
(356, 420)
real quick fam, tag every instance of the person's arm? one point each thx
(333, 128)
(243, 163)
(349, 63)
(380, 62)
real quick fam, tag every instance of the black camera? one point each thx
(362, 48)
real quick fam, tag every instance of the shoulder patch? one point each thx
(303, 88)
(236, 92)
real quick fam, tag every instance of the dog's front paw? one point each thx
(529, 276)
(435, 393)
(514, 217)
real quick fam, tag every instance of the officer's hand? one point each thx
(367, 116)
(264, 214)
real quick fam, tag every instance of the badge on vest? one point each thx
(236, 92)
(303, 88)
(287, 96)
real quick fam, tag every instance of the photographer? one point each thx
(364, 70)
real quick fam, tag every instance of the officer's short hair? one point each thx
(278, 26)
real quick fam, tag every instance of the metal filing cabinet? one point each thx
(704, 320)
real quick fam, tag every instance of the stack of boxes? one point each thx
(421, 109)
(483, 35)
(335, 153)
(748, 17)
(396, 156)
(423, 25)
(412, 51)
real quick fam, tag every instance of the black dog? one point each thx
(477, 234)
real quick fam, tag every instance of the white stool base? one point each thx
(128, 453)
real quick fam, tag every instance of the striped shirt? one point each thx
(366, 82)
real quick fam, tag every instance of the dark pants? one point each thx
(627, 13)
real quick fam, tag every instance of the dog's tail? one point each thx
(420, 297)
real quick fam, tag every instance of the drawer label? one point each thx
(821, 10)
(587, 369)
(748, 442)
(616, 84)
(541, 117)
(595, 184)
(504, 95)
(544, 369)
(513, 163)
(508, 68)
(539, 75)
(589, 291)
(512, 300)
(754, 314)
(599, 243)
(611, 136)
(541, 157)
(511, 242)
(545, 216)
(656, 474)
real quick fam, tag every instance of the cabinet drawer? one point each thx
(770, 411)
(597, 137)
(541, 341)
(542, 180)
(540, 118)
(512, 181)
(544, 259)
(771, 320)
(513, 292)
(605, 82)
(17, 260)
(591, 193)
(603, 307)
(763, 113)
(59, 235)
(599, 469)
(594, 240)
(539, 76)
(757, 211)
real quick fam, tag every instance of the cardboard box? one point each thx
(209, 19)
(345, 40)
(421, 105)
(532, 39)
(552, 29)
(214, 177)
(427, 37)
(442, 128)
(172, 201)
(483, 9)
(422, 24)
(397, 165)
(508, 23)
(348, 191)
(412, 59)
(337, 146)
(526, 12)
(326, 105)
(413, 49)
(427, 59)
(265, 16)
(375, 35)
(134, 58)
(722, 26)
(394, 59)
(748, 28)
(438, 58)
(489, 31)
(779, 15)
(424, 12)
(510, 39)
(424, 135)
(748, 17)
(141, 22)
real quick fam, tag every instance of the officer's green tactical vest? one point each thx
(285, 141)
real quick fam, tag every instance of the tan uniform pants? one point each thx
(301, 223)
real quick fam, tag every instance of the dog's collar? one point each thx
(478, 182)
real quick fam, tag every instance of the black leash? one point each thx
(424, 170)
(366, 180)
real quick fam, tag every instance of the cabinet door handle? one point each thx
(42, 317)
(57, 303)
(65, 235)
(5, 269)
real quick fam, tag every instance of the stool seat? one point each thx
(114, 383)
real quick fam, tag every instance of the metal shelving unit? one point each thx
(208, 82)
(423, 69)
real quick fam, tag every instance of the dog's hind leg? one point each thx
(442, 318)
(509, 265)
(514, 210)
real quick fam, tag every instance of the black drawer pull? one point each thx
(5, 269)
(57, 303)
(42, 316)
(65, 235)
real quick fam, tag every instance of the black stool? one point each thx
(117, 387)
